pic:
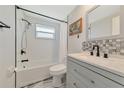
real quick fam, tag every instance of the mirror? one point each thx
(104, 21)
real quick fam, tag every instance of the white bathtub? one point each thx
(31, 74)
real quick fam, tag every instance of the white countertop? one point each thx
(112, 64)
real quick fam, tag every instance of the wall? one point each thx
(122, 21)
(7, 47)
(74, 43)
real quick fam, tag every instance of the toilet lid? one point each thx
(58, 67)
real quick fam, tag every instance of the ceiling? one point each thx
(57, 11)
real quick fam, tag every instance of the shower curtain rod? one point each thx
(40, 14)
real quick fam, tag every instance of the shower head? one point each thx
(26, 21)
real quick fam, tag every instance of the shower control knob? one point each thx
(23, 52)
(25, 60)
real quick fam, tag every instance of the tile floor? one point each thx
(44, 84)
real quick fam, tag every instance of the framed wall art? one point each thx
(76, 27)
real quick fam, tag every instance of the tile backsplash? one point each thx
(110, 46)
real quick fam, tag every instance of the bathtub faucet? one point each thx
(25, 60)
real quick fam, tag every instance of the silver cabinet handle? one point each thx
(75, 84)
(93, 82)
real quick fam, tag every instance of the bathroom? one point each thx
(61, 46)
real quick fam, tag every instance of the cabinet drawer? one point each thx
(73, 82)
(115, 77)
(89, 77)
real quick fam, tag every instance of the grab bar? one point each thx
(3, 25)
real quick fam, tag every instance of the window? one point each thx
(45, 31)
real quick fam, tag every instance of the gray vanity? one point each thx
(93, 72)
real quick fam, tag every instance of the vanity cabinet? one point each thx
(82, 75)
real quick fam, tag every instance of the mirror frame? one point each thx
(101, 38)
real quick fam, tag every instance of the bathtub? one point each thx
(32, 73)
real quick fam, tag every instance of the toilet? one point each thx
(57, 71)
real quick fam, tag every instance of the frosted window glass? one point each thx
(45, 31)
(44, 35)
(44, 28)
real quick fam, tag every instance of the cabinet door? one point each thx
(91, 78)
(74, 82)
(74, 74)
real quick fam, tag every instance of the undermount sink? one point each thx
(117, 59)
(82, 55)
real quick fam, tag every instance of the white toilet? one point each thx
(57, 71)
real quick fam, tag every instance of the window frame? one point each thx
(54, 34)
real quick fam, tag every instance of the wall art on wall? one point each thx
(76, 27)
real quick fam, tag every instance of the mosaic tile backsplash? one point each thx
(109, 46)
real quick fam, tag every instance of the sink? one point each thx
(81, 55)
(116, 59)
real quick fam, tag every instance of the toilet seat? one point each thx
(58, 69)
